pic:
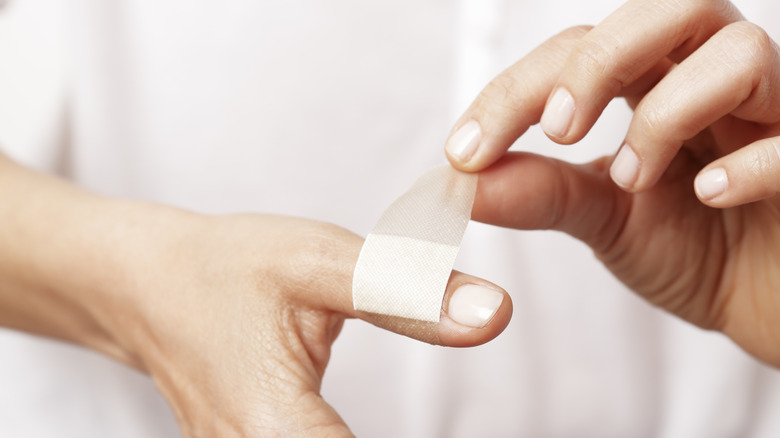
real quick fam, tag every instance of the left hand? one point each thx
(232, 316)
(705, 88)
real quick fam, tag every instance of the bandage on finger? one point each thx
(406, 260)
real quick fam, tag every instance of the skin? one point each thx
(704, 88)
(232, 316)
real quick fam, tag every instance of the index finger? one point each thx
(509, 104)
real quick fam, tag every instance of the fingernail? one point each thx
(474, 305)
(711, 183)
(464, 142)
(558, 113)
(625, 167)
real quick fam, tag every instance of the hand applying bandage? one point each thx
(686, 213)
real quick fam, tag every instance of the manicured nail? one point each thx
(558, 114)
(711, 183)
(463, 144)
(625, 167)
(474, 305)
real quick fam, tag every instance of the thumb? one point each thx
(474, 311)
(530, 192)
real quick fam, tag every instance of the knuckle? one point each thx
(749, 42)
(504, 93)
(701, 12)
(650, 120)
(564, 42)
(596, 60)
(591, 57)
(763, 162)
(316, 256)
(574, 33)
(748, 52)
(710, 7)
(319, 241)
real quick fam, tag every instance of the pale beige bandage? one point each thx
(407, 258)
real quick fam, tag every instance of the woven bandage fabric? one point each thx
(406, 260)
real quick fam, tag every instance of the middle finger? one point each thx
(622, 49)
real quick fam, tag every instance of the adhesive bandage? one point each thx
(406, 260)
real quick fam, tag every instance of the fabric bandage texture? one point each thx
(407, 258)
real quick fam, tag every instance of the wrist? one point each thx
(75, 266)
(137, 254)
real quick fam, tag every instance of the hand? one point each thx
(239, 315)
(233, 316)
(705, 88)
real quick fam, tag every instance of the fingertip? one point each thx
(463, 144)
(625, 168)
(558, 115)
(467, 150)
(715, 189)
(473, 312)
(711, 184)
(474, 305)
(746, 175)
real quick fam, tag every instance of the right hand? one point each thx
(705, 89)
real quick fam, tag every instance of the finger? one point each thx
(748, 174)
(528, 191)
(636, 91)
(735, 72)
(623, 48)
(508, 105)
(473, 312)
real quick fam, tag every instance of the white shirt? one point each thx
(281, 106)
